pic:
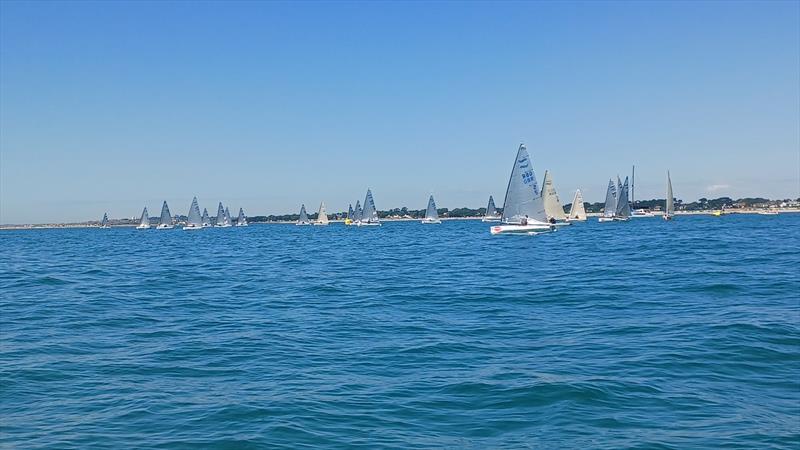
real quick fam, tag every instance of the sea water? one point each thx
(648, 334)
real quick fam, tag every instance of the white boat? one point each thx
(357, 212)
(431, 214)
(768, 212)
(610, 206)
(523, 208)
(669, 207)
(303, 220)
(577, 212)
(165, 223)
(144, 222)
(104, 221)
(552, 205)
(205, 219)
(222, 217)
(241, 221)
(491, 212)
(322, 216)
(228, 220)
(369, 216)
(642, 212)
(194, 221)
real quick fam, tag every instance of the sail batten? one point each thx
(523, 200)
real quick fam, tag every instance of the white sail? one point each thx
(194, 219)
(241, 221)
(227, 217)
(491, 209)
(144, 221)
(303, 220)
(523, 201)
(669, 209)
(623, 205)
(322, 215)
(370, 213)
(166, 217)
(220, 215)
(577, 211)
(610, 207)
(552, 205)
(358, 212)
(104, 222)
(431, 213)
(205, 220)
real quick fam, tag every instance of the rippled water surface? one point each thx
(641, 334)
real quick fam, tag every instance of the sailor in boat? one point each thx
(552, 220)
(525, 220)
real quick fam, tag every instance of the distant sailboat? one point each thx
(165, 223)
(431, 214)
(241, 221)
(623, 205)
(349, 219)
(194, 220)
(228, 220)
(669, 207)
(491, 212)
(104, 222)
(523, 208)
(205, 219)
(358, 212)
(552, 205)
(144, 222)
(222, 221)
(369, 216)
(610, 208)
(322, 215)
(577, 213)
(303, 220)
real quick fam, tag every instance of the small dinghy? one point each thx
(322, 216)
(222, 217)
(369, 216)
(104, 221)
(491, 212)
(577, 212)
(194, 221)
(206, 221)
(431, 214)
(144, 221)
(303, 220)
(165, 223)
(669, 206)
(241, 221)
(523, 208)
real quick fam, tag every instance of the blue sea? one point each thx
(644, 334)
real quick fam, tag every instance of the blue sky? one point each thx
(112, 106)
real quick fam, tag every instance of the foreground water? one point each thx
(641, 334)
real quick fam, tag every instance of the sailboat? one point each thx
(222, 221)
(431, 215)
(144, 222)
(349, 219)
(303, 220)
(205, 220)
(523, 208)
(369, 216)
(552, 205)
(166, 218)
(194, 220)
(357, 213)
(104, 222)
(623, 212)
(577, 213)
(228, 220)
(322, 216)
(241, 221)
(491, 212)
(610, 208)
(669, 207)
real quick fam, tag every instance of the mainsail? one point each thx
(522, 195)
(194, 218)
(104, 222)
(491, 210)
(241, 220)
(577, 211)
(303, 215)
(145, 220)
(220, 215)
(670, 207)
(370, 213)
(322, 215)
(623, 205)
(610, 207)
(552, 205)
(350, 212)
(227, 216)
(358, 212)
(431, 213)
(205, 220)
(166, 217)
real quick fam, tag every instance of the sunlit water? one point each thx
(642, 334)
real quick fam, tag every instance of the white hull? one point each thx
(642, 215)
(561, 224)
(164, 227)
(222, 226)
(768, 213)
(303, 224)
(207, 225)
(430, 221)
(612, 219)
(576, 220)
(521, 229)
(320, 224)
(241, 224)
(490, 219)
(192, 227)
(368, 224)
(143, 227)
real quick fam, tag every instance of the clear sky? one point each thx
(112, 106)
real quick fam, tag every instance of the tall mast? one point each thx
(633, 181)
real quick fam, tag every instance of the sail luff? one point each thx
(523, 199)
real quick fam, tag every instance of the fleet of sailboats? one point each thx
(431, 214)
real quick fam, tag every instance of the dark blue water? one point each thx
(643, 334)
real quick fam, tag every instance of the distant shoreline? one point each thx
(50, 226)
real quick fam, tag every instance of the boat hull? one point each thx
(319, 224)
(368, 224)
(143, 227)
(164, 227)
(192, 227)
(430, 221)
(612, 219)
(522, 229)
(490, 219)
